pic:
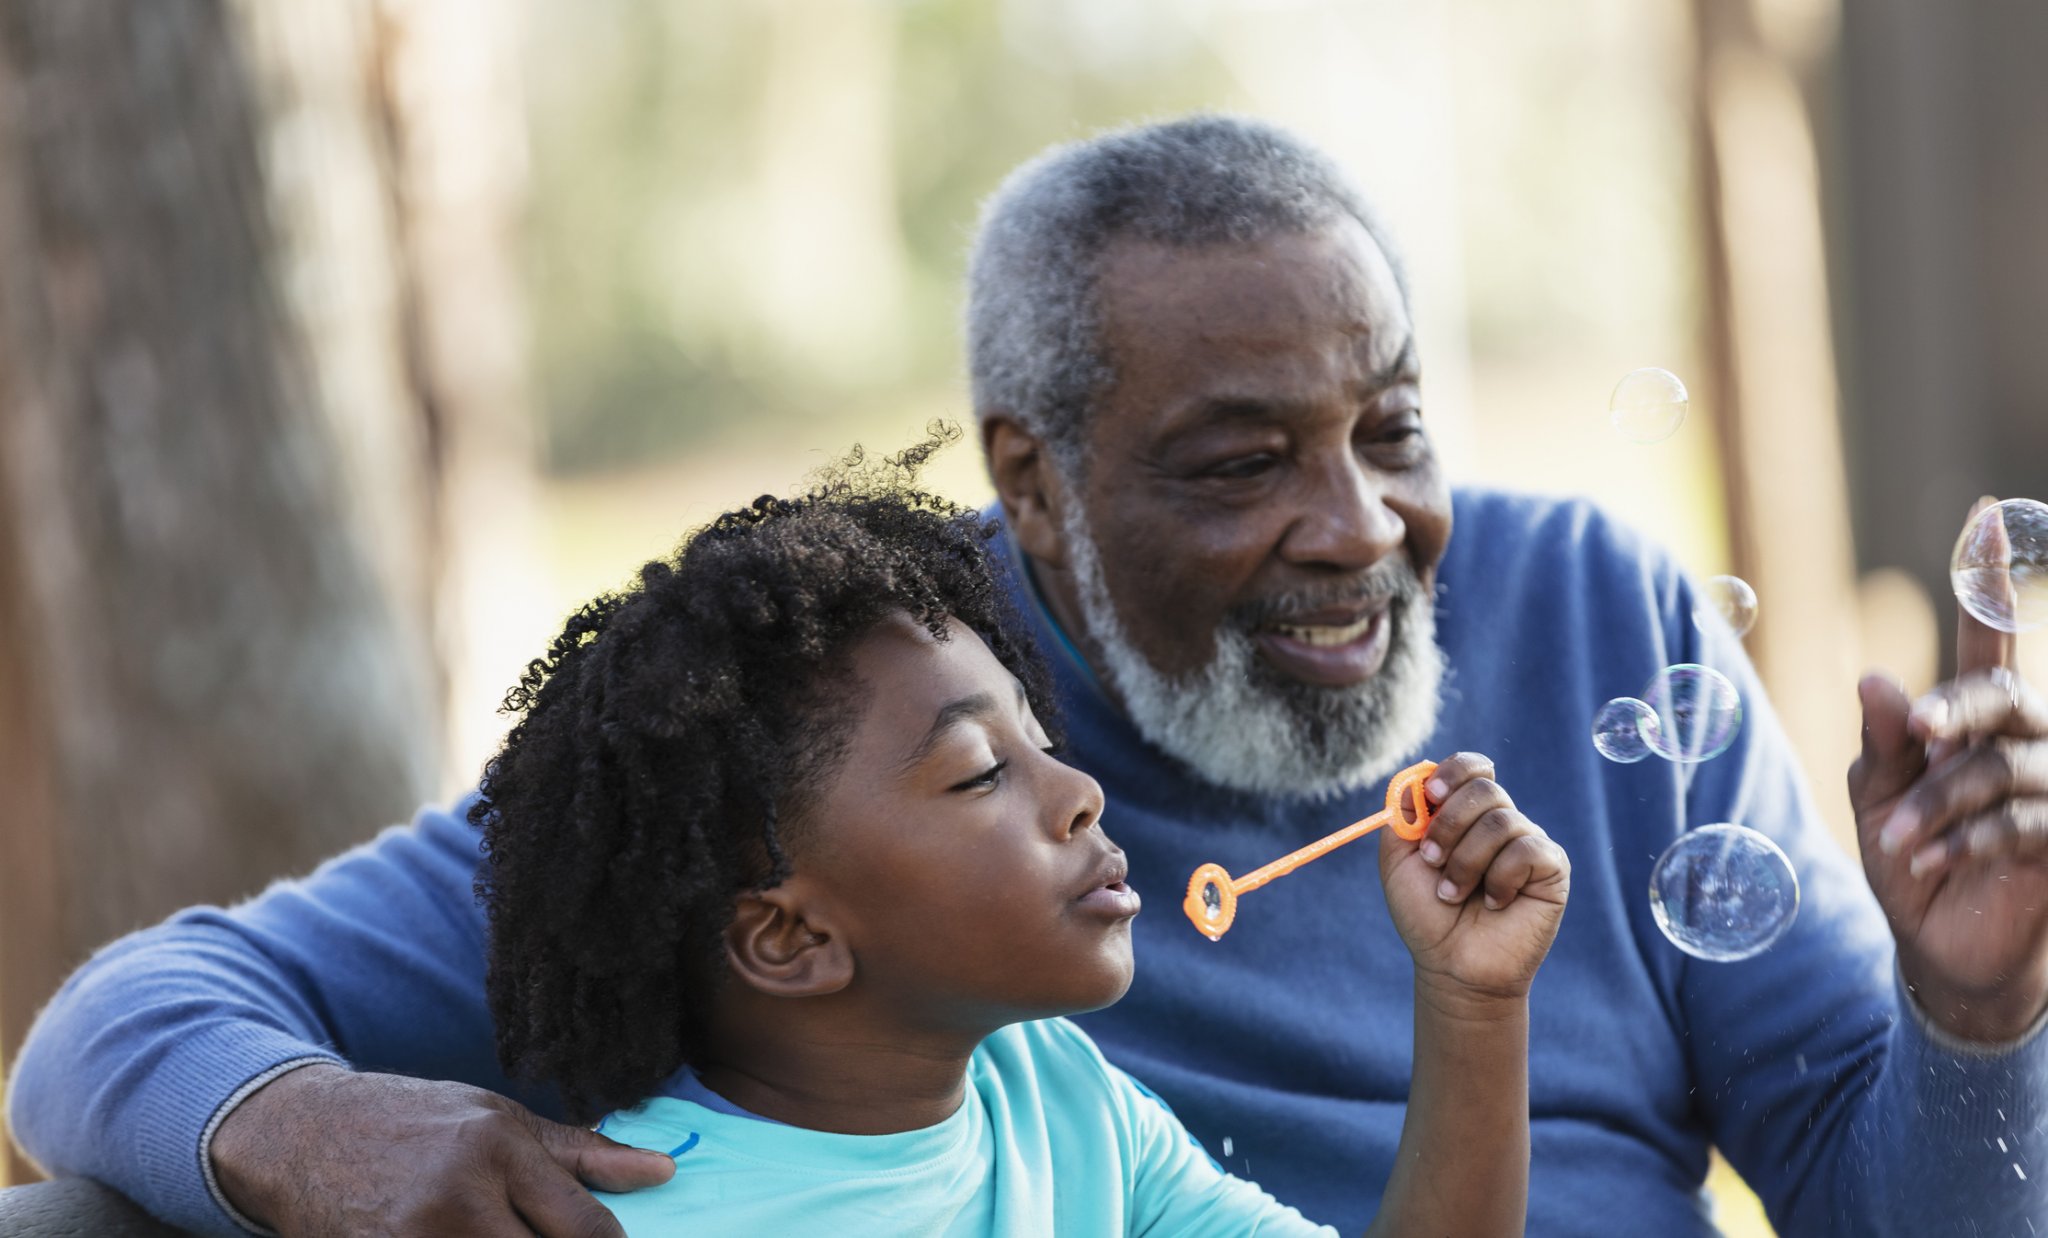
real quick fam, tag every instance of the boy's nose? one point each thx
(1087, 805)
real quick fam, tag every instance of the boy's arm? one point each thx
(163, 1048)
(1463, 1163)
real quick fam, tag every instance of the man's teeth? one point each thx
(1323, 634)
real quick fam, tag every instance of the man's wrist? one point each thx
(1999, 1015)
(241, 1149)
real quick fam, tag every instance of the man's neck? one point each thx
(847, 1078)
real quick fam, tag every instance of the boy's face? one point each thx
(965, 865)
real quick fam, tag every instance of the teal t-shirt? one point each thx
(1050, 1139)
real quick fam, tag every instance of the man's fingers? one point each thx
(1975, 782)
(2017, 829)
(603, 1163)
(1987, 702)
(1892, 757)
(1455, 817)
(555, 1204)
(1979, 646)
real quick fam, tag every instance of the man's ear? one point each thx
(1033, 494)
(780, 944)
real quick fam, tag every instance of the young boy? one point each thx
(785, 877)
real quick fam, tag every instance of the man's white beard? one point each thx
(1240, 724)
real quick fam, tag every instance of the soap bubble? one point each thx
(1212, 902)
(1723, 892)
(1697, 713)
(2000, 566)
(1648, 405)
(1729, 597)
(1618, 729)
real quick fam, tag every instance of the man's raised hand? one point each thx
(325, 1152)
(1951, 801)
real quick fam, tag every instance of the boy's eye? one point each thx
(985, 779)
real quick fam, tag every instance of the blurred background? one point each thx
(345, 347)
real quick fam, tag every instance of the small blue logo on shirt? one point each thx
(683, 1147)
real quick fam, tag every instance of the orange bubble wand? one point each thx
(1211, 904)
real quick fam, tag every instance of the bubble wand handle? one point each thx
(1211, 904)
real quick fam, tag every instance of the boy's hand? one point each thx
(1478, 898)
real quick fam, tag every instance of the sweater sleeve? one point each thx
(375, 959)
(1815, 1072)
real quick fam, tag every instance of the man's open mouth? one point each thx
(1326, 635)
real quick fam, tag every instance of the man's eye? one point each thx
(986, 779)
(1240, 467)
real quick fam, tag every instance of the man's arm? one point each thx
(1817, 1075)
(376, 959)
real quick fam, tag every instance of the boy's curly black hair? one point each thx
(664, 750)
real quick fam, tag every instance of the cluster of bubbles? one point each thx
(1687, 714)
(2000, 566)
(1726, 892)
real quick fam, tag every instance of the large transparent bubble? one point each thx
(1723, 892)
(1619, 727)
(1731, 599)
(1697, 713)
(1648, 405)
(2000, 566)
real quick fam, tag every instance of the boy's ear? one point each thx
(780, 944)
(1032, 492)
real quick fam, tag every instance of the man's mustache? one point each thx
(1391, 580)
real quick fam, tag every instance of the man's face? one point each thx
(1260, 494)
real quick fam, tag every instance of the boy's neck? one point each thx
(827, 1075)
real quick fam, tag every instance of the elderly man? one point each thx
(1199, 396)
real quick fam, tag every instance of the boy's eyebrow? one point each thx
(979, 705)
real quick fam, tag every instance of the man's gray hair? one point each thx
(1034, 336)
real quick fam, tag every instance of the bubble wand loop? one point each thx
(1211, 904)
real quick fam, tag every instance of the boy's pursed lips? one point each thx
(1107, 893)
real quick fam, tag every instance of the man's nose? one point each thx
(1344, 520)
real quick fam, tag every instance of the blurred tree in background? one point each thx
(232, 419)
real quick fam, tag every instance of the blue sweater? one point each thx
(1286, 1046)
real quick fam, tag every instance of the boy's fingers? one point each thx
(1455, 770)
(1469, 801)
(1493, 831)
(1531, 860)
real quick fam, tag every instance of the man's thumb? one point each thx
(1891, 758)
(600, 1162)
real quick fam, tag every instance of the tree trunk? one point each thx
(203, 682)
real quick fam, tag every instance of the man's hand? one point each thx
(323, 1152)
(1479, 897)
(1951, 800)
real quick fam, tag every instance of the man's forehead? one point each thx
(1264, 292)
